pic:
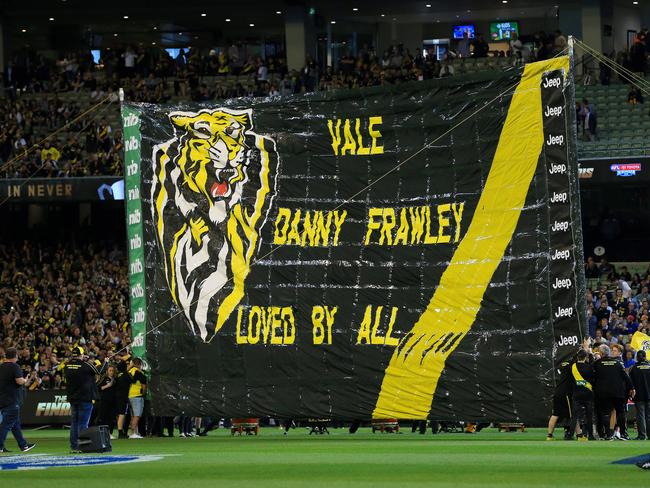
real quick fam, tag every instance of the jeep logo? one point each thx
(567, 341)
(563, 312)
(555, 140)
(562, 283)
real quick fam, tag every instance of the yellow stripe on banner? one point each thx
(412, 375)
(172, 258)
(241, 256)
(161, 196)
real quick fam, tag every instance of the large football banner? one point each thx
(409, 251)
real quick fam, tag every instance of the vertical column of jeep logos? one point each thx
(562, 255)
(135, 243)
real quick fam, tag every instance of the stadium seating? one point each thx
(622, 128)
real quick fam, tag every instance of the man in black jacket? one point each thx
(80, 384)
(583, 396)
(640, 376)
(613, 387)
(11, 380)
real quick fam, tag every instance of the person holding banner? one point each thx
(613, 387)
(583, 396)
(640, 376)
(563, 396)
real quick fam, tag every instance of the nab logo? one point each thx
(138, 316)
(131, 144)
(557, 169)
(136, 267)
(137, 291)
(131, 169)
(555, 140)
(134, 217)
(138, 341)
(568, 341)
(134, 194)
(131, 120)
(563, 226)
(135, 242)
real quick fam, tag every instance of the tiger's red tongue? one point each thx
(219, 189)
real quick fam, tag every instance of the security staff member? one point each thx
(640, 376)
(583, 396)
(613, 387)
(80, 384)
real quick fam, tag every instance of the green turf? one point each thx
(485, 459)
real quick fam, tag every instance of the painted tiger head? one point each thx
(213, 152)
(212, 189)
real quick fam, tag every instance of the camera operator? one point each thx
(80, 384)
(640, 376)
(613, 387)
(11, 381)
(583, 396)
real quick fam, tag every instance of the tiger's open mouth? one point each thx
(225, 180)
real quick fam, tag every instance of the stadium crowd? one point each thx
(37, 90)
(55, 298)
(616, 311)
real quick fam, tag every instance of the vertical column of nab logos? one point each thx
(562, 265)
(135, 243)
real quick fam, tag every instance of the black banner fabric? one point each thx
(380, 253)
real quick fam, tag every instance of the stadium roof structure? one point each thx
(263, 13)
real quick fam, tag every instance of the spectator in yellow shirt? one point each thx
(51, 151)
(136, 395)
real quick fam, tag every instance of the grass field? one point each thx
(485, 459)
